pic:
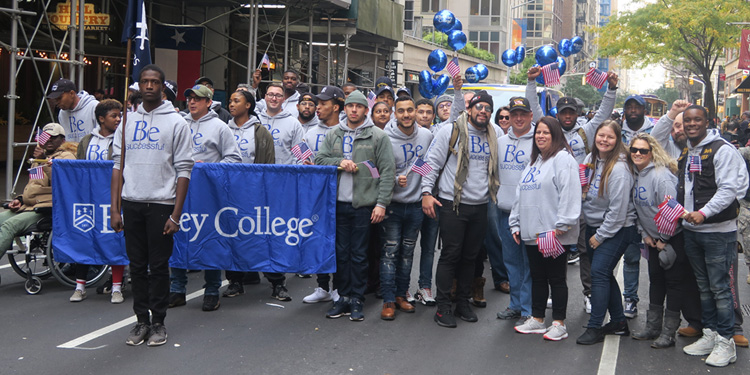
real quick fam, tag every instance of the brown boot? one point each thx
(389, 311)
(404, 305)
(689, 332)
(740, 340)
(477, 292)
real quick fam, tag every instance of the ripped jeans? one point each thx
(398, 233)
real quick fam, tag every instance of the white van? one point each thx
(501, 95)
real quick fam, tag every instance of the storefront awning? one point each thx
(744, 87)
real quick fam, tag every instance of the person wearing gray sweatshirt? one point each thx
(306, 107)
(290, 80)
(284, 127)
(76, 109)
(610, 229)
(400, 228)
(157, 165)
(664, 128)
(547, 202)
(712, 178)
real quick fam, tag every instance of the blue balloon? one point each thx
(425, 81)
(427, 94)
(520, 53)
(564, 47)
(509, 57)
(546, 55)
(539, 79)
(471, 75)
(562, 65)
(553, 111)
(458, 26)
(437, 60)
(440, 84)
(444, 20)
(482, 70)
(457, 40)
(577, 44)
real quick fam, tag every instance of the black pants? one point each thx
(462, 235)
(149, 251)
(677, 285)
(273, 277)
(479, 262)
(548, 274)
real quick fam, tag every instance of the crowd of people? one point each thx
(529, 192)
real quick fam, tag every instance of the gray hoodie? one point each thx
(628, 133)
(244, 137)
(315, 136)
(458, 106)
(731, 181)
(310, 124)
(547, 198)
(289, 105)
(158, 153)
(614, 210)
(81, 120)
(651, 185)
(476, 188)
(211, 140)
(662, 132)
(286, 132)
(406, 150)
(513, 154)
(98, 148)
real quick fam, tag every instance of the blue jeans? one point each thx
(399, 232)
(631, 270)
(605, 292)
(178, 281)
(711, 255)
(517, 263)
(428, 241)
(352, 237)
(494, 245)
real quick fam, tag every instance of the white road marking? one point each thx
(5, 266)
(72, 344)
(611, 347)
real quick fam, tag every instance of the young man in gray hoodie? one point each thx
(284, 127)
(712, 178)
(211, 141)
(156, 174)
(76, 109)
(289, 82)
(306, 108)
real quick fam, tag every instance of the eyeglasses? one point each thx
(485, 107)
(444, 105)
(501, 117)
(274, 96)
(642, 151)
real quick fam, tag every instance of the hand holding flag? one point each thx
(549, 245)
(596, 78)
(551, 74)
(373, 169)
(421, 167)
(670, 211)
(42, 138)
(583, 174)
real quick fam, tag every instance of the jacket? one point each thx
(38, 193)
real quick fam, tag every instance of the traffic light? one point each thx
(699, 102)
(690, 81)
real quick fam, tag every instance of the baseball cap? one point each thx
(204, 79)
(331, 92)
(567, 102)
(482, 96)
(639, 99)
(667, 257)
(308, 96)
(200, 91)
(54, 129)
(403, 89)
(60, 87)
(383, 84)
(170, 89)
(519, 103)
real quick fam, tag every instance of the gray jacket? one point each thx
(614, 209)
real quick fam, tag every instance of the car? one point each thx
(502, 93)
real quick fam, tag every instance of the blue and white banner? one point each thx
(240, 217)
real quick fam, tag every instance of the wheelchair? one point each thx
(32, 257)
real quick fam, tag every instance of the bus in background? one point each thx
(502, 93)
(655, 107)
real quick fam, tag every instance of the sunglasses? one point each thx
(485, 107)
(642, 151)
(501, 117)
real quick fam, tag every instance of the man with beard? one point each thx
(289, 82)
(468, 182)
(306, 108)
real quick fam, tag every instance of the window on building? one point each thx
(430, 6)
(485, 7)
(409, 15)
(488, 41)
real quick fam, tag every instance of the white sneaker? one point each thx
(335, 295)
(319, 295)
(410, 298)
(556, 332)
(424, 295)
(704, 346)
(531, 326)
(587, 304)
(549, 303)
(723, 354)
(117, 297)
(78, 296)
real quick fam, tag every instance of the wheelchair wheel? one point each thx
(33, 285)
(65, 273)
(38, 257)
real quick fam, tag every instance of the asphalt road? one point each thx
(46, 334)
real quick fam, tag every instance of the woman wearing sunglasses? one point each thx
(669, 271)
(610, 221)
(502, 119)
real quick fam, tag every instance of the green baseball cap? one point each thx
(200, 91)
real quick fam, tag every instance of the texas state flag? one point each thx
(178, 52)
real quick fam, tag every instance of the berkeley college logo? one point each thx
(83, 216)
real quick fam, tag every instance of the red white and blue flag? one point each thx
(371, 98)
(551, 74)
(549, 245)
(302, 151)
(42, 138)
(178, 53)
(670, 211)
(695, 164)
(596, 78)
(373, 169)
(36, 173)
(583, 174)
(265, 61)
(453, 67)
(421, 167)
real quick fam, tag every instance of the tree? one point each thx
(667, 94)
(470, 49)
(587, 93)
(518, 74)
(680, 33)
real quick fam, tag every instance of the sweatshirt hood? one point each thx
(345, 127)
(711, 135)
(208, 116)
(97, 129)
(280, 115)
(393, 131)
(529, 134)
(164, 108)
(251, 121)
(83, 100)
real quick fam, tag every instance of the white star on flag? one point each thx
(178, 37)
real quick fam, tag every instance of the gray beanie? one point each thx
(356, 97)
(443, 98)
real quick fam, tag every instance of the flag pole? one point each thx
(124, 120)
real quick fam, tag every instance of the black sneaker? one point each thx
(464, 312)
(210, 302)
(233, 290)
(138, 334)
(176, 299)
(158, 335)
(356, 310)
(280, 293)
(340, 308)
(591, 337)
(616, 328)
(574, 257)
(444, 318)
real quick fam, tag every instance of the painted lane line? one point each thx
(115, 326)
(611, 347)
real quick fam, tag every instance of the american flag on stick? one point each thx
(421, 167)
(583, 174)
(453, 67)
(373, 169)
(551, 74)
(42, 138)
(302, 151)
(695, 164)
(549, 245)
(371, 99)
(669, 212)
(36, 173)
(596, 78)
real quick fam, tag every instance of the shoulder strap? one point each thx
(585, 140)
(453, 141)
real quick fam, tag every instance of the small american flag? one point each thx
(596, 78)
(36, 173)
(695, 164)
(265, 60)
(669, 212)
(549, 245)
(371, 99)
(373, 169)
(453, 67)
(421, 167)
(42, 138)
(302, 151)
(583, 174)
(551, 74)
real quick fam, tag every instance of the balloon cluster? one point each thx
(512, 57)
(547, 55)
(447, 23)
(476, 73)
(428, 86)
